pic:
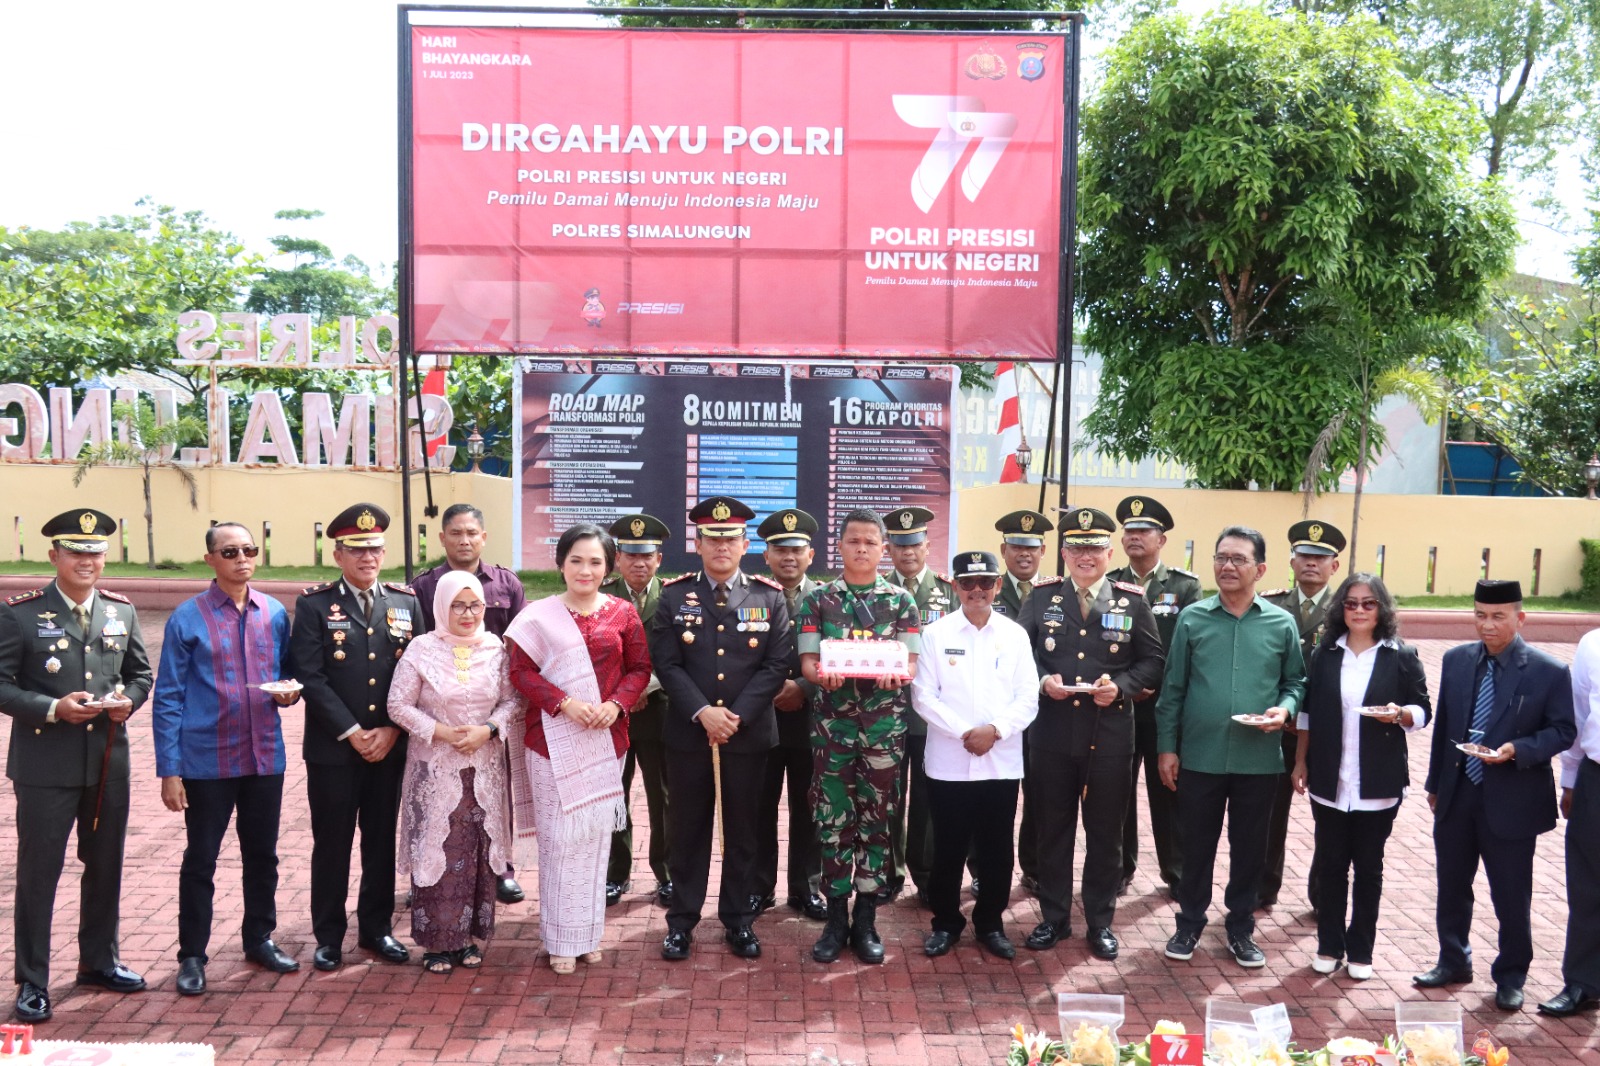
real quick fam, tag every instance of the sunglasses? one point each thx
(970, 583)
(232, 551)
(1361, 605)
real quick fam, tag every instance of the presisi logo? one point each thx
(958, 119)
(635, 308)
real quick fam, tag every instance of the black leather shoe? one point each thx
(676, 945)
(1103, 944)
(387, 948)
(975, 888)
(760, 904)
(506, 890)
(923, 900)
(1569, 1001)
(1125, 885)
(326, 958)
(997, 945)
(191, 976)
(743, 942)
(1029, 884)
(117, 979)
(938, 943)
(810, 905)
(1438, 977)
(269, 956)
(614, 891)
(33, 1003)
(666, 892)
(890, 892)
(1046, 935)
(1508, 997)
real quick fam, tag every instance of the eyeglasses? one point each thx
(360, 551)
(967, 584)
(232, 551)
(467, 608)
(1238, 562)
(1361, 605)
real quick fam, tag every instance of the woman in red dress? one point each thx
(581, 662)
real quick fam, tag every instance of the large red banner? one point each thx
(711, 192)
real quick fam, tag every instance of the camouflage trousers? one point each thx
(855, 790)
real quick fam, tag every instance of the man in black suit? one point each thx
(720, 644)
(347, 637)
(1515, 704)
(72, 669)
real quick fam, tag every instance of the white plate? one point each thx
(1475, 750)
(1079, 688)
(1251, 719)
(1375, 712)
(281, 688)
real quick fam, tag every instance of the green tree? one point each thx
(315, 284)
(736, 18)
(1240, 178)
(150, 446)
(92, 300)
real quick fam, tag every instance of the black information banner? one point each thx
(600, 439)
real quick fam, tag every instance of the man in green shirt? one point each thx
(1232, 654)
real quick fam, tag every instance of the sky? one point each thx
(239, 110)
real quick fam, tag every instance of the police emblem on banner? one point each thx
(985, 65)
(1030, 61)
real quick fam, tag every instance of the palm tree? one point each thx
(151, 445)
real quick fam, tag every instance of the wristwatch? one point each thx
(494, 731)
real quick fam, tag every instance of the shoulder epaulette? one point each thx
(324, 587)
(1181, 570)
(1048, 579)
(396, 586)
(115, 597)
(946, 578)
(1129, 587)
(24, 597)
(765, 580)
(680, 577)
(1267, 595)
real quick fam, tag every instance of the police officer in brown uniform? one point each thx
(72, 669)
(347, 637)
(1314, 548)
(1097, 647)
(1168, 590)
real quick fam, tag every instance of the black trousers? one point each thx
(690, 818)
(212, 803)
(1163, 804)
(1028, 832)
(343, 797)
(46, 816)
(1460, 839)
(651, 759)
(792, 767)
(1580, 964)
(1099, 786)
(911, 829)
(1346, 840)
(1278, 837)
(971, 817)
(1203, 800)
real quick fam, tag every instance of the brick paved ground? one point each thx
(635, 1008)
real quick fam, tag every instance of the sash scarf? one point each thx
(584, 761)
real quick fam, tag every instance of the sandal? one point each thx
(469, 957)
(437, 962)
(591, 956)
(563, 964)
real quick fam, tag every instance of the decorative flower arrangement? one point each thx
(1091, 1046)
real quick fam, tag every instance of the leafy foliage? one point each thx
(315, 285)
(1240, 179)
(734, 20)
(150, 445)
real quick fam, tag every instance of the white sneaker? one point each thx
(1323, 964)
(1359, 971)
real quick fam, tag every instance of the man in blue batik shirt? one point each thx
(219, 748)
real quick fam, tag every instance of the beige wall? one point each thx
(292, 500)
(1459, 528)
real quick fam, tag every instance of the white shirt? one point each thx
(969, 677)
(1585, 708)
(1355, 673)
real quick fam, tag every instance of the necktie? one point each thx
(1480, 721)
(1085, 603)
(721, 592)
(365, 598)
(1306, 607)
(80, 614)
(1023, 589)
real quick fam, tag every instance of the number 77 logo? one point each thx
(958, 119)
(1175, 1050)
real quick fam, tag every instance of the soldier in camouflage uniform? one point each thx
(911, 833)
(858, 735)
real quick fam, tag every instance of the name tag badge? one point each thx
(51, 632)
(338, 623)
(955, 651)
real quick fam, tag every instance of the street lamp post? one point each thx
(1591, 473)
(474, 449)
(1024, 457)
